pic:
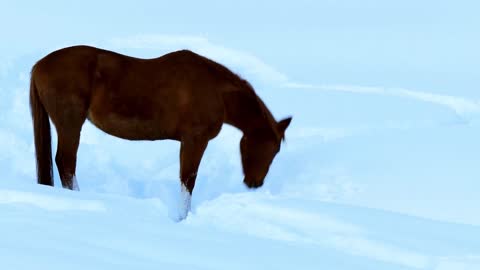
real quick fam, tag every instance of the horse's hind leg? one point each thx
(68, 124)
(66, 157)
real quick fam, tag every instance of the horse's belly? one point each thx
(131, 128)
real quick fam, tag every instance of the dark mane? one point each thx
(243, 85)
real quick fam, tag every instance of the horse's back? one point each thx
(133, 98)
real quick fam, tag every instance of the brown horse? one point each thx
(180, 96)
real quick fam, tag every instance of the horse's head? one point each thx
(258, 152)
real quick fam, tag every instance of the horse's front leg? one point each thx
(191, 152)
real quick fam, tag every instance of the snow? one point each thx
(52, 228)
(320, 207)
(379, 169)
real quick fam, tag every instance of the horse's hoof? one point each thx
(185, 203)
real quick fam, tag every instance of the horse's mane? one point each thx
(243, 85)
(266, 113)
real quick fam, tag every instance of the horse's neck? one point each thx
(244, 110)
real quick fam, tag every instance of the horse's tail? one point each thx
(42, 135)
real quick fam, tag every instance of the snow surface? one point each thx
(379, 170)
(52, 228)
(312, 212)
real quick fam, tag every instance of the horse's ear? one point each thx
(283, 125)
